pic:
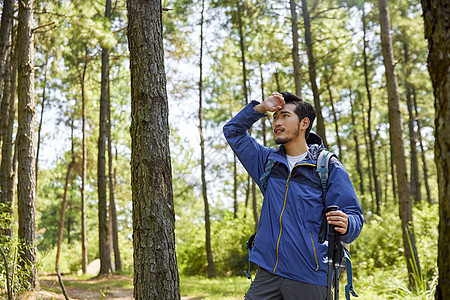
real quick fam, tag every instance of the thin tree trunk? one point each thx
(235, 187)
(405, 207)
(4, 104)
(112, 204)
(263, 120)
(155, 264)
(336, 126)
(105, 258)
(295, 57)
(437, 23)
(369, 163)
(394, 185)
(113, 216)
(209, 255)
(84, 259)
(422, 149)
(242, 47)
(358, 156)
(5, 33)
(8, 117)
(312, 72)
(414, 181)
(26, 187)
(255, 204)
(369, 122)
(41, 118)
(63, 212)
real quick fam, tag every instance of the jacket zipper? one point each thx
(282, 211)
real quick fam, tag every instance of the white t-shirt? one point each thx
(292, 160)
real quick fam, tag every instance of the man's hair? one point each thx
(302, 109)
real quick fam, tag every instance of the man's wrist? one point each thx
(261, 108)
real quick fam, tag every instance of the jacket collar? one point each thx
(315, 145)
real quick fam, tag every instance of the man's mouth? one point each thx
(279, 130)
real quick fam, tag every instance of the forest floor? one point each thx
(117, 287)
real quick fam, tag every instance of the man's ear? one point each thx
(304, 123)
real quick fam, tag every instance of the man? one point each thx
(293, 264)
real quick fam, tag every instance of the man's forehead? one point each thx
(287, 108)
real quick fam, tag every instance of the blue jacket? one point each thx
(286, 241)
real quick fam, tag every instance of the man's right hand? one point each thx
(272, 103)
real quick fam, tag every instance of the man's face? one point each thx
(286, 125)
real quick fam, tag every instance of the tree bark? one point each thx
(155, 266)
(209, 255)
(414, 181)
(242, 47)
(63, 213)
(312, 72)
(422, 150)
(333, 111)
(295, 57)
(26, 187)
(7, 168)
(5, 32)
(112, 201)
(105, 258)
(405, 207)
(369, 122)
(41, 118)
(84, 259)
(437, 23)
(358, 156)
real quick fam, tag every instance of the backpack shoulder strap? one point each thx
(323, 162)
(265, 177)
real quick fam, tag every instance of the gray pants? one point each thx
(268, 286)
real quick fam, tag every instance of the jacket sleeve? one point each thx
(250, 153)
(341, 193)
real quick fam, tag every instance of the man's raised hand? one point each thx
(272, 103)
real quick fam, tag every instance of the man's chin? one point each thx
(281, 141)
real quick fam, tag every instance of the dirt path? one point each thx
(89, 289)
(93, 288)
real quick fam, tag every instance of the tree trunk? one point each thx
(358, 156)
(255, 204)
(41, 117)
(235, 186)
(84, 259)
(312, 72)
(394, 186)
(105, 258)
(414, 181)
(405, 209)
(209, 255)
(155, 265)
(437, 22)
(336, 126)
(242, 46)
(63, 212)
(295, 57)
(26, 187)
(7, 174)
(422, 150)
(5, 33)
(369, 170)
(263, 120)
(369, 122)
(112, 201)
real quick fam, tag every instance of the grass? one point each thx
(199, 287)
